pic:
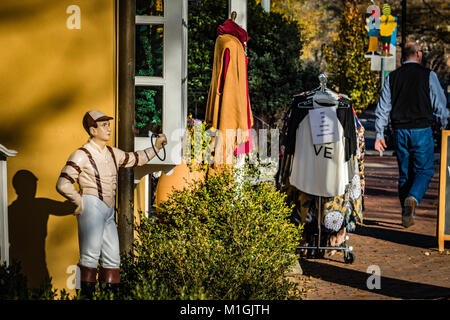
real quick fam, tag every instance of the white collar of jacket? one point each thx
(92, 145)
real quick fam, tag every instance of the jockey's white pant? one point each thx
(97, 234)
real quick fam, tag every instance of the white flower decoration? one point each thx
(355, 187)
(333, 220)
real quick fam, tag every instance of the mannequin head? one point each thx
(101, 132)
(96, 124)
(92, 118)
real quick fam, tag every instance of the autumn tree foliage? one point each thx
(316, 21)
(349, 71)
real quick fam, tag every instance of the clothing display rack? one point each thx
(349, 256)
(318, 98)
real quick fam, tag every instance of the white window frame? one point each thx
(174, 88)
(173, 80)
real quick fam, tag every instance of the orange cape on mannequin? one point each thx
(228, 106)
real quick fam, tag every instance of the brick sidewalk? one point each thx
(410, 263)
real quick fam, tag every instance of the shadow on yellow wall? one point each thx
(28, 217)
(16, 132)
(50, 76)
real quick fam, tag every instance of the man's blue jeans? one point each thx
(415, 157)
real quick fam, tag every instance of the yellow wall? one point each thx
(50, 76)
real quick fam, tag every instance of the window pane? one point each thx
(149, 50)
(150, 7)
(148, 110)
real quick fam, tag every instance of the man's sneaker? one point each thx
(407, 216)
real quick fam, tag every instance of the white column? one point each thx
(240, 6)
(4, 242)
(265, 4)
(4, 239)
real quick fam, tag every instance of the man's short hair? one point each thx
(411, 48)
(91, 118)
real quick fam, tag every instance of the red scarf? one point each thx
(230, 27)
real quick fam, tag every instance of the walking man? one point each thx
(410, 95)
(95, 166)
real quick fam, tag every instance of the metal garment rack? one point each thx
(349, 256)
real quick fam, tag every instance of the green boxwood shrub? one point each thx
(215, 240)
